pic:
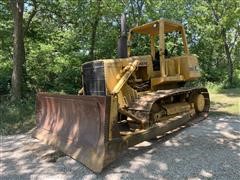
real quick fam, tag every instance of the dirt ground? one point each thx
(207, 150)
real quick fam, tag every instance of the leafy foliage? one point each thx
(59, 37)
(16, 116)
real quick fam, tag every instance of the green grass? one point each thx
(16, 116)
(225, 101)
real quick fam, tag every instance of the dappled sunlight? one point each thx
(238, 144)
(172, 143)
(177, 160)
(153, 150)
(194, 178)
(229, 135)
(115, 176)
(23, 158)
(25, 169)
(205, 173)
(210, 149)
(2, 167)
(139, 162)
(234, 146)
(222, 125)
(163, 166)
(197, 152)
(143, 144)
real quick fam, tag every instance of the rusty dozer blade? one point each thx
(75, 125)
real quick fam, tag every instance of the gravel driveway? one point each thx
(208, 150)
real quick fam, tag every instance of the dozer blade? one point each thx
(75, 125)
(87, 129)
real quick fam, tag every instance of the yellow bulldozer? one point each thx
(124, 101)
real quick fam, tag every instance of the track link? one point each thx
(142, 106)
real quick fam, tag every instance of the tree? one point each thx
(5, 47)
(17, 7)
(217, 29)
(94, 26)
(60, 35)
(226, 18)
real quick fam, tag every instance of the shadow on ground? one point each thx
(210, 149)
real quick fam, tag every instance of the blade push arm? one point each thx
(128, 70)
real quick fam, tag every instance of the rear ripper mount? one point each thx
(83, 127)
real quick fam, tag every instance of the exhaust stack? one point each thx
(122, 42)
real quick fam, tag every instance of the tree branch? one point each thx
(33, 13)
(236, 36)
(215, 15)
(133, 11)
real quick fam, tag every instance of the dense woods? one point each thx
(43, 43)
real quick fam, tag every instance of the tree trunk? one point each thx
(17, 7)
(93, 39)
(94, 30)
(229, 59)
(226, 46)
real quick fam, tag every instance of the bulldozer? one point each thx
(126, 100)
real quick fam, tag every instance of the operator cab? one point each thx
(168, 65)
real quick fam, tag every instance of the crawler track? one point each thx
(143, 105)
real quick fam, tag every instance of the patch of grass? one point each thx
(16, 116)
(214, 88)
(225, 101)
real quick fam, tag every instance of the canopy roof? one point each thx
(153, 27)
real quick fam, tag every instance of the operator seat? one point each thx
(156, 60)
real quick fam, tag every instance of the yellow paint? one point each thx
(172, 70)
